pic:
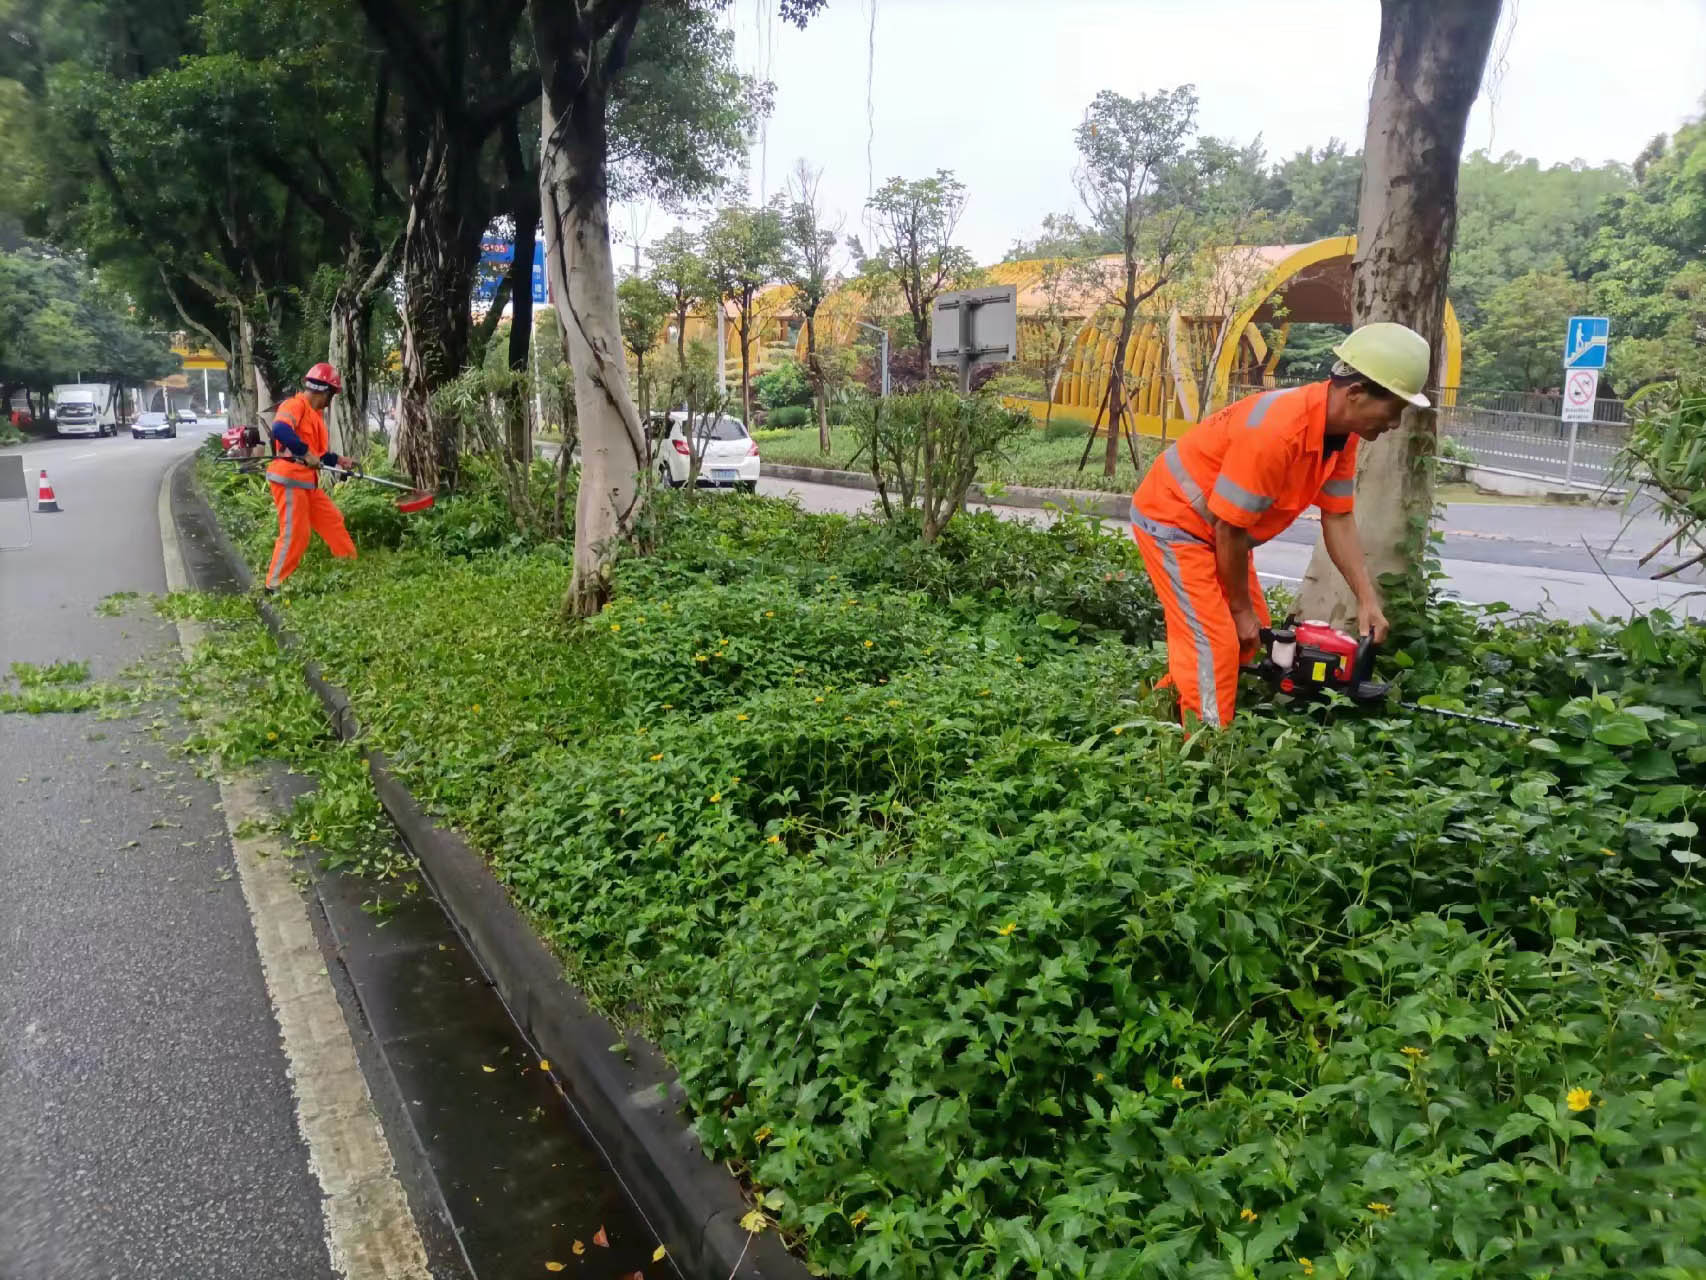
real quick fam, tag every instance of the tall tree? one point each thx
(643, 306)
(1427, 72)
(325, 136)
(1515, 347)
(1313, 194)
(679, 270)
(459, 83)
(915, 222)
(1648, 259)
(607, 65)
(1132, 151)
(1516, 217)
(808, 246)
(743, 254)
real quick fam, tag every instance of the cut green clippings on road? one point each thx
(65, 671)
(248, 705)
(973, 964)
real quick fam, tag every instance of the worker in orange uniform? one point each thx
(301, 446)
(1243, 475)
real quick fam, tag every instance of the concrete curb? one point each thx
(1111, 506)
(631, 1105)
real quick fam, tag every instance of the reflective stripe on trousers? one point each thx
(287, 534)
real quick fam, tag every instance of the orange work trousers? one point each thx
(1202, 642)
(303, 510)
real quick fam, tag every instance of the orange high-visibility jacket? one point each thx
(304, 419)
(1255, 464)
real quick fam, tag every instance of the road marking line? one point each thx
(370, 1231)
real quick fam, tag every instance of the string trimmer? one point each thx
(1306, 659)
(413, 499)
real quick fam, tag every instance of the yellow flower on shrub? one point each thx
(1307, 1265)
(1578, 1099)
(742, 716)
(658, 756)
(1178, 1082)
(616, 626)
(775, 840)
(1380, 1209)
(762, 1135)
(869, 643)
(271, 736)
(1248, 1215)
(1006, 930)
(717, 799)
(1410, 1051)
(476, 708)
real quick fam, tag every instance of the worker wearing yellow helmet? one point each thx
(1243, 475)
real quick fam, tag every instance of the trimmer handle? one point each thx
(1364, 687)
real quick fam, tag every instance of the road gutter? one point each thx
(369, 1229)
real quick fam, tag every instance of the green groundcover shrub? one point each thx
(974, 965)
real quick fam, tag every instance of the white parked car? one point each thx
(185, 418)
(153, 424)
(729, 454)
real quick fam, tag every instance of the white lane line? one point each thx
(370, 1231)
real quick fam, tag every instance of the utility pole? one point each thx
(884, 355)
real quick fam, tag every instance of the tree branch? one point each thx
(519, 93)
(213, 342)
(393, 25)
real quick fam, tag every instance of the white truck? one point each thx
(85, 409)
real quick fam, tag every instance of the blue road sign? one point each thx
(1586, 341)
(495, 256)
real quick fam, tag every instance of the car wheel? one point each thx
(746, 486)
(136, 435)
(172, 434)
(666, 478)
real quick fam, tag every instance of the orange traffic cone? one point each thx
(45, 501)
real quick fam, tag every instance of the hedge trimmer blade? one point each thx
(1496, 721)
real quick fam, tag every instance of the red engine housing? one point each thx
(1326, 658)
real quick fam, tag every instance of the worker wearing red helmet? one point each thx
(1243, 475)
(301, 446)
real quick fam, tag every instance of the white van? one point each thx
(85, 409)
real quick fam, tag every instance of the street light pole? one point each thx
(884, 335)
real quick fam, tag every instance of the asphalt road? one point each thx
(1529, 557)
(146, 1122)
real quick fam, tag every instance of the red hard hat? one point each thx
(324, 375)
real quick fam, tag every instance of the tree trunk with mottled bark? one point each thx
(346, 343)
(574, 190)
(1427, 73)
(440, 256)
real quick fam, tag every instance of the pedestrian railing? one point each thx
(1522, 434)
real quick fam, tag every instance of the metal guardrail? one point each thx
(1520, 433)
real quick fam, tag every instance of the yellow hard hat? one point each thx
(1392, 355)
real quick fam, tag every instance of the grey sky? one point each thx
(993, 88)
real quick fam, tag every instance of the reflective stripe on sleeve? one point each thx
(1338, 489)
(1264, 402)
(1186, 482)
(1228, 490)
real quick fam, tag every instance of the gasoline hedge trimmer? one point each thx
(1307, 659)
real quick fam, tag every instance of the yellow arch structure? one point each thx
(1162, 392)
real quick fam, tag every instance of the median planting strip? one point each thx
(966, 961)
